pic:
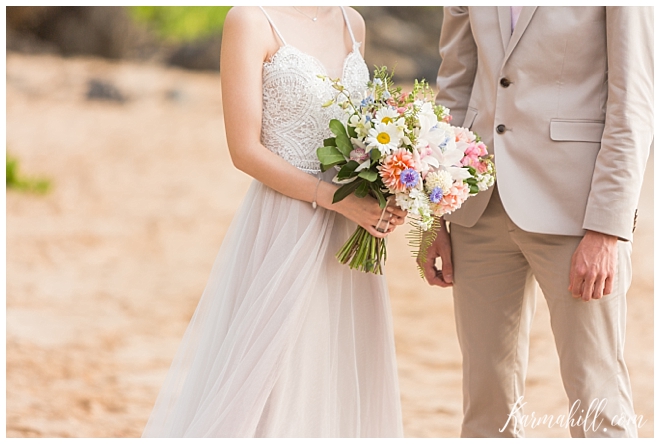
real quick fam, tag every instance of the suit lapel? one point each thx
(504, 14)
(523, 21)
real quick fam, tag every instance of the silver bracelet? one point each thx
(316, 190)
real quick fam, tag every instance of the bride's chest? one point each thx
(292, 76)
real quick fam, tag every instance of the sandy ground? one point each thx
(103, 273)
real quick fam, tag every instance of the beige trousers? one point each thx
(495, 264)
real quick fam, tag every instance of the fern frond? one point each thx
(420, 241)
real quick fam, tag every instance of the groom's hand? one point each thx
(441, 248)
(593, 266)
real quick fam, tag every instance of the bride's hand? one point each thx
(369, 215)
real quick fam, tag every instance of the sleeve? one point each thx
(459, 62)
(628, 133)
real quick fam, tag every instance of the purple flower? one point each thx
(409, 177)
(436, 195)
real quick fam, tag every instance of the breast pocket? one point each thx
(576, 130)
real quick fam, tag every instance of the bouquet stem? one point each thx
(363, 252)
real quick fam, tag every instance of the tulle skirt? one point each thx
(285, 341)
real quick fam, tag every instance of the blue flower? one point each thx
(386, 95)
(409, 177)
(378, 82)
(436, 195)
(367, 101)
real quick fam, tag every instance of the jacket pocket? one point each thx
(576, 130)
(470, 116)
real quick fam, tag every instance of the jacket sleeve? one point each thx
(459, 62)
(628, 133)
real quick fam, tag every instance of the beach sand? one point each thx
(104, 271)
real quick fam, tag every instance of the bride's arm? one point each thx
(246, 42)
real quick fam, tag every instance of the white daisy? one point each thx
(386, 116)
(385, 138)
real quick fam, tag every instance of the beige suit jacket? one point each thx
(571, 91)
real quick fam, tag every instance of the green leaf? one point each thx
(342, 141)
(329, 142)
(351, 132)
(329, 155)
(374, 154)
(344, 145)
(337, 127)
(474, 189)
(382, 202)
(345, 190)
(369, 175)
(363, 189)
(347, 170)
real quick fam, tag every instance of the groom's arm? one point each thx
(619, 169)
(459, 62)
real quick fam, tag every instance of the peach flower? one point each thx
(464, 135)
(393, 166)
(453, 200)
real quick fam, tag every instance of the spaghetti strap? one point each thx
(348, 25)
(272, 24)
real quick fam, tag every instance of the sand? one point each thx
(104, 272)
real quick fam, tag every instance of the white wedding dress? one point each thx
(285, 341)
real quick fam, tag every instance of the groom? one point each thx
(563, 97)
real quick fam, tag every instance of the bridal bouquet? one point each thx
(395, 145)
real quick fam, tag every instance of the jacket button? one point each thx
(505, 82)
(500, 129)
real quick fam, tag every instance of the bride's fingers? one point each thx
(374, 232)
(396, 211)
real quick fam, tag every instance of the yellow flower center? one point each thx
(383, 138)
(386, 120)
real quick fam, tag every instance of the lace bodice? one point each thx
(294, 121)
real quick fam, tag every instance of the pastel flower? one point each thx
(436, 195)
(361, 124)
(485, 181)
(385, 138)
(393, 166)
(359, 155)
(409, 178)
(366, 101)
(439, 179)
(464, 135)
(453, 200)
(386, 116)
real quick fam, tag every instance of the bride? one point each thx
(285, 341)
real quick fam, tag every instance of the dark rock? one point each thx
(202, 54)
(105, 31)
(101, 90)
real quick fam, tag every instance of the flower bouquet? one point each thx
(399, 145)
